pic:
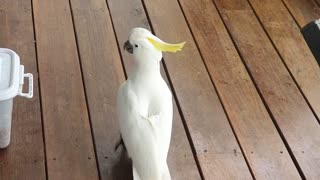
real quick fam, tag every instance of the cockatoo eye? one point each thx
(136, 45)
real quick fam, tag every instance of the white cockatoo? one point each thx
(144, 107)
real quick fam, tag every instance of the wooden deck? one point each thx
(246, 87)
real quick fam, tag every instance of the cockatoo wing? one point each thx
(142, 135)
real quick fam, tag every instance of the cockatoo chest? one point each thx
(151, 96)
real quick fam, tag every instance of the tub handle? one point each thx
(30, 93)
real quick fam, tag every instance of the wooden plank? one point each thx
(288, 107)
(206, 121)
(181, 162)
(286, 36)
(24, 158)
(103, 74)
(254, 128)
(304, 11)
(69, 146)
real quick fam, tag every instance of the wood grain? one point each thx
(286, 36)
(69, 146)
(318, 2)
(288, 107)
(206, 120)
(254, 128)
(103, 74)
(24, 158)
(181, 162)
(304, 11)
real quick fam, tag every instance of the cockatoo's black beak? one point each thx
(128, 47)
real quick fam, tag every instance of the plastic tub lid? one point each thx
(9, 74)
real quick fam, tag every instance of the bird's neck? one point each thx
(146, 70)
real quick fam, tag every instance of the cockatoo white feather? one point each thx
(145, 107)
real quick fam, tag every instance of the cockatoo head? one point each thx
(146, 47)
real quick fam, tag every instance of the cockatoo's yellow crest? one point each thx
(166, 47)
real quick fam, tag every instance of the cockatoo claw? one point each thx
(119, 143)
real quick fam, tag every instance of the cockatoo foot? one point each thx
(119, 144)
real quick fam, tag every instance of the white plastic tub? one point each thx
(11, 84)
